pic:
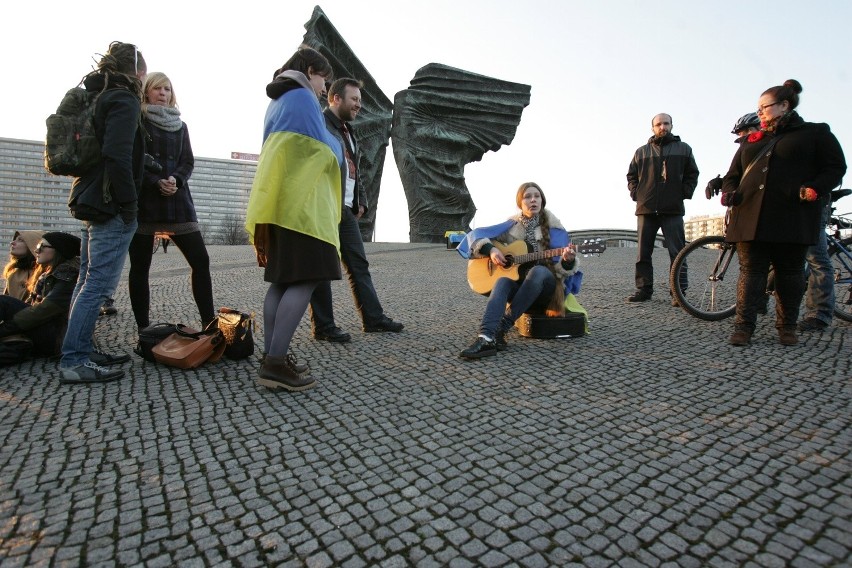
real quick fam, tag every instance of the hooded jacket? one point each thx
(661, 175)
(117, 120)
(17, 279)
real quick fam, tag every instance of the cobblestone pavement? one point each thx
(650, 442)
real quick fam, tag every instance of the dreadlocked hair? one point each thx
(121, 63)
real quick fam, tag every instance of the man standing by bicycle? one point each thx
(661, 175)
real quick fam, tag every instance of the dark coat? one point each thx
(117, 117)
(173, 151)
(335, 126)
(44, 318)
(806, 155)
(654, 193)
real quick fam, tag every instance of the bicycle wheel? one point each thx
(712, 273)
(841, 260)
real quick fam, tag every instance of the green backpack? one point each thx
(71, 147)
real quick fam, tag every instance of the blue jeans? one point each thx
(534, 291)
(646, 232)
(102, 254)
(819, 299)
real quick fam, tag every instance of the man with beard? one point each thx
(662, 174)
(344, 103)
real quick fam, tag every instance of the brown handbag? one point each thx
(187, 350)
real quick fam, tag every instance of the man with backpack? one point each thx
(104, 198)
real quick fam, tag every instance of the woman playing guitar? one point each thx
(536, 285)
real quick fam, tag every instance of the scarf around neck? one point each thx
(167, 118)
(530, 224)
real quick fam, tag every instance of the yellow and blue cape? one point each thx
(297, 183)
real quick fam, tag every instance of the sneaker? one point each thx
(811, 324)
(333, 334)
(641, 295)
(384, 324)
(102, 359)
(108, 308)
(88, 373)
(500, 341)
(481, 348)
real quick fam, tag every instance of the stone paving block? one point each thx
(405, 454)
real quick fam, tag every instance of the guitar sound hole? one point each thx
(510, 260)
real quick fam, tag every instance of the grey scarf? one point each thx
(167, 118)
(530, 225)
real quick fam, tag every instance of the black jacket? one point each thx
(654, 192)
(117, 119)
(335, 126)
(46, 317)
(806, 154)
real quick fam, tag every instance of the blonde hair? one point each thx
(155, 80)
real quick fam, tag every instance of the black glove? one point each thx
(128, 212)
(732, 199)
(714, 186)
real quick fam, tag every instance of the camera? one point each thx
(152, 165)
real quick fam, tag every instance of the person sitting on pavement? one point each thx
(344, 102)
(22, 263)
(540, 285)
(41, 318)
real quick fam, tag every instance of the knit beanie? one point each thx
(31, 238)
(66, 245)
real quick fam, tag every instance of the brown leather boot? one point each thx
(787, 335)
(741, 336)
(279, 372)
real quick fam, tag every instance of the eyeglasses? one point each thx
(41, 246)
(762, 108)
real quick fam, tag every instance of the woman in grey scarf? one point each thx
(165, 204)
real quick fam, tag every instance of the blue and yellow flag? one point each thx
(297, 184)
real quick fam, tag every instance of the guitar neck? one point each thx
(533, 256)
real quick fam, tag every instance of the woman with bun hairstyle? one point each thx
(165, 203)
(22, 263)
(777, 185)
(42, 317)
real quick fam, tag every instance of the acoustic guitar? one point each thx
(483, 273)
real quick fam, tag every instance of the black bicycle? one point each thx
(711, 292)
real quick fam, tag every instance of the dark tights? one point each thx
(193, 249)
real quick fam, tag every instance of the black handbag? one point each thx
(154, 334)
(237, 328)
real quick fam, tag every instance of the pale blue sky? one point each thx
(599, 71)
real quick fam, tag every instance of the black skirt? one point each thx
(295, 257)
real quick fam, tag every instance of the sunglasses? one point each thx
(42, 246)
